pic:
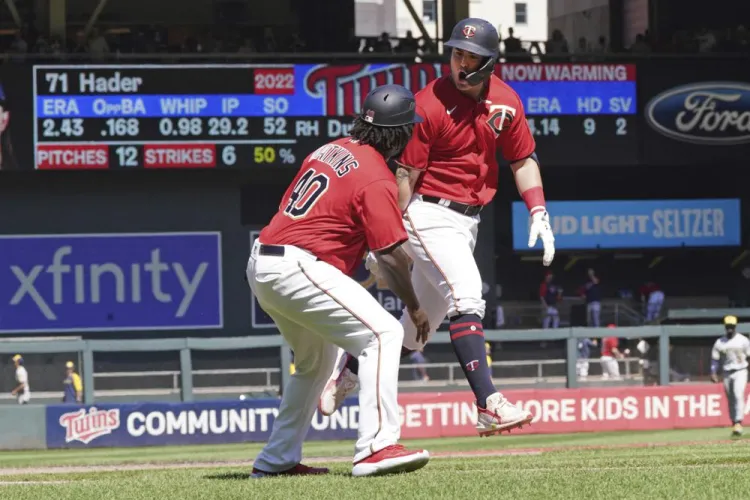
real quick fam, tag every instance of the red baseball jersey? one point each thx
(343, 200)
(456, 145)
(608, 345)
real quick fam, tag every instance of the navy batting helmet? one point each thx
(478, 37)
(390, 106)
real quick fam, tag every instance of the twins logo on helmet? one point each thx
(469, 31)
(501, 116)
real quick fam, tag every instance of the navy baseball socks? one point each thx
(467, 338)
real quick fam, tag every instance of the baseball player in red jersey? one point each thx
(343, 200)
(446, 175)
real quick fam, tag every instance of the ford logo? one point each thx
(715, 113)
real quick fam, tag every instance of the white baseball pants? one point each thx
(316, 307)
(582, 367)
(445, 275)
(610, 367)
(734, 387)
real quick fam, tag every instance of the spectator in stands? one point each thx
(640, 46)
(97, 45)
(21, 391)
(353, 43)
(601, 46)
(72, 386)
(19, 45)
(425, 46)
(557, 44)
(269, 41)
(706, 41)
(296, 43)
(583, 46)
(549, 295)
(408, 45)
(247, 47)
(512, 45)
(591, 291)
(584, 354)
(652, 299)
(383, 44)
(609, 357)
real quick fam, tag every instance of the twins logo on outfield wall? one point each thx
(710, 113)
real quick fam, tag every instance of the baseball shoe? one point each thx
(391, 460)
(297, 470)
(737, 430)
(341, 384)
(500, 415)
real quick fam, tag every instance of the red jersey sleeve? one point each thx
(543, 290)
(417, 151)
(517, 142)
(377, 208)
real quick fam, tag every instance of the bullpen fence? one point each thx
(87, 348)
(424, 415)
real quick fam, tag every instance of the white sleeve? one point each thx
(747, 347)
(715, 352)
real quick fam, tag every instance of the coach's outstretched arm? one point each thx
(393, 265)
(406, 178)
(529, 183)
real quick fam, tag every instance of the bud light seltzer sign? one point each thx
(110, 282)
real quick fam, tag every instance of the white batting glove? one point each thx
(539, 227)
(371, 264)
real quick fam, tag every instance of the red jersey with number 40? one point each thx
(343, 200)
(456, 145)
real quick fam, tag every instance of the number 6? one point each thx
(228, 155)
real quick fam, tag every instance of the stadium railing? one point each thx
(185, 346)
(265, 381)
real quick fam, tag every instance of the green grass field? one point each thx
(694, 464)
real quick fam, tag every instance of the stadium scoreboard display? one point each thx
(245, 115)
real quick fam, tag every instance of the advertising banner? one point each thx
(110, 282)
(423, 415)
(696, 112)
(583, 225)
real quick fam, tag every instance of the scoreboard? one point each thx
(245, 115)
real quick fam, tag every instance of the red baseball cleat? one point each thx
(390, 460)
(297, 470)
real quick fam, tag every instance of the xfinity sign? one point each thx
(82, 282)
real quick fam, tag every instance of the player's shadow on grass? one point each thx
(245, 476)
(229, 476)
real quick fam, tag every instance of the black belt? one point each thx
(275, 250)
(461, 208)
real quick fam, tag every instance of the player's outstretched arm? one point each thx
(406, 179)
(393, 264)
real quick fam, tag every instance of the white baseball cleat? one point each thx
(341, 384)
(500, 415)
(391, 460)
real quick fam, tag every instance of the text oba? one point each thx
(92, 283)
